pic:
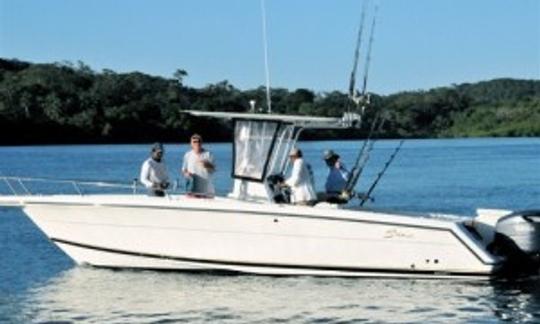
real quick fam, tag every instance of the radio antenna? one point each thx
(267, 70)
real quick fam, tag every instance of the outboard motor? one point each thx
(517, 237)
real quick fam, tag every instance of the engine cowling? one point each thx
(517, 238)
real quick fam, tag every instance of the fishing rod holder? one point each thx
(351, 120)
(360, 99)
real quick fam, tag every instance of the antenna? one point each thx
(265, 44)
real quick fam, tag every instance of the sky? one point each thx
(418, 44)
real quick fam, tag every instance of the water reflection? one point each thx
(96, 295)
(517, 300)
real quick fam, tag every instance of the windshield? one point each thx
(253, 142)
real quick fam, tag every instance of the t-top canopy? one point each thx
(262, 143)
(301, 121)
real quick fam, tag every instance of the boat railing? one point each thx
(20, 186)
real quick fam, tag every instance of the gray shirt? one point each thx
(201, 178)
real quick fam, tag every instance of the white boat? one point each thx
(249, 232)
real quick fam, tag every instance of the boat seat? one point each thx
(332, 198)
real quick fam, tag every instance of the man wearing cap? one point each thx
(198, 167)
(301, 180)
(154, 175)
(338, 175)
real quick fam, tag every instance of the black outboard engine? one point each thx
(517, 237)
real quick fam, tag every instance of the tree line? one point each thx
(71, 103)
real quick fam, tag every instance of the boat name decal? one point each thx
(394, 233)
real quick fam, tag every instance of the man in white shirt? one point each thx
(198, 167)
(300, 181)
(154, 175)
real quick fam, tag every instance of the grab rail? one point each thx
(22, 184)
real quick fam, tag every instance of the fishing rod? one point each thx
(352, 83)
(363, 155)
(364, 94)
(362, 150)
(366, 196)
(363, 98)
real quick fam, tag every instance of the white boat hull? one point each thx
(219, 234)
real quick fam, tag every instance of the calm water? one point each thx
(40, 284)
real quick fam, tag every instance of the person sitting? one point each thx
(154, 175)
(337, 179)
(198, 167)
(301, 180)
(338, 175)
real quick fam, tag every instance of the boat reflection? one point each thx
(97, 295)
(517, 300)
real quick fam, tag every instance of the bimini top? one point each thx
(348, 119)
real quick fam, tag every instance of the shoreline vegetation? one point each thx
(66, 103)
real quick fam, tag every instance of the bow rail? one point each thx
(19, 186)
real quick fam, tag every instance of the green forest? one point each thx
(71, 103)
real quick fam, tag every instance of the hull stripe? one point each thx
(225, 263)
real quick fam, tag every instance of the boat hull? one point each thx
(118, 259)
(204, 234)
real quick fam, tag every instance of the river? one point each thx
(38, 283)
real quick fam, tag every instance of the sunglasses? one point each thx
(196, 141)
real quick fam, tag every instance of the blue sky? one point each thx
(419, 44)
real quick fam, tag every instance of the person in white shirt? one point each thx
(301, 180)
(154, 175)
(198, 167)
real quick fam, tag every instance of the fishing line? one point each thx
(380, 174)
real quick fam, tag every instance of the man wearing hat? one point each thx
(154, 175)
(300, 181)
(198, 167)
(338, 175)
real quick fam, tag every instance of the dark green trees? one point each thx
(71, 103)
